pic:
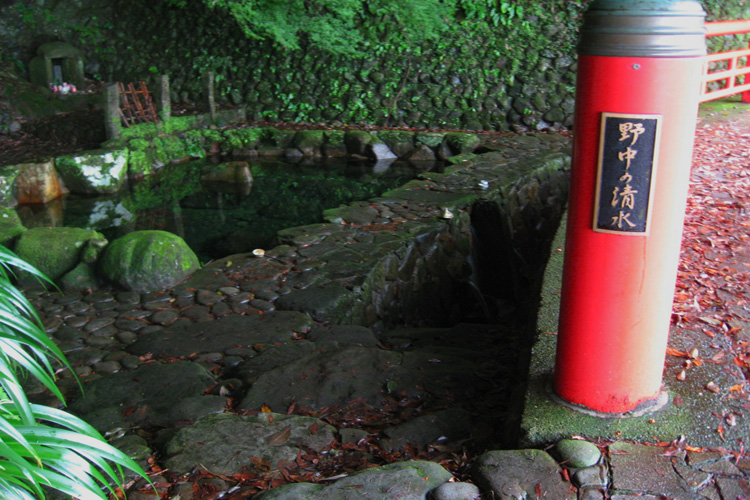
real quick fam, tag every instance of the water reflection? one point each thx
(232, 207)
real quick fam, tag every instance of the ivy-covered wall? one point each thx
(514, 68)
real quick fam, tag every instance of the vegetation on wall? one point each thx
(357, 28)
(476, 64)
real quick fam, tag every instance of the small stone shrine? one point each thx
(56, 63)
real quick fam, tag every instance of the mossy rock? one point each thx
(334, 146)
(101, 171)
(168, 148)
(11, 227)
(179, 124)
(8, 186)
(80, 278)
(142, 130)
(399, 141)
(431, 139)
(241, 138)
(139, 164)
(356, 141)
(309, 141)
(148, 261)
(462, 143)
(55, 251)
(281, 139)
(334, 137)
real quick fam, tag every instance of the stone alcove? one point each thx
(57, 62)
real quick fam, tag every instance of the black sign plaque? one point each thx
(626, 168)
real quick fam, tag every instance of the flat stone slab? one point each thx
(219, 335)
(227, 443)
(323, 378)
(637, 468)
(411, 480)
(329, 373)
(155, 394)
(323, 302)
(515, 474)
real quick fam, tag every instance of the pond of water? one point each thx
(222, 218)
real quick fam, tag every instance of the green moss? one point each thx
(278, 138)
(462, 143)
(140, 131)
(138, 144)
(178, 124)
(11, 227)
(397, 139)
(241, 138)
(431, 139)
(168, 148)
(334, 138)
(53, 250)
(148, 261)
(139, 164)
(305, 139)
(8, 188)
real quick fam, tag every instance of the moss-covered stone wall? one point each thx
(515, 74)
(472, 78)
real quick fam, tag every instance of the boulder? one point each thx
(8, 186)
(356, 142)
(157, 394)
(431, 139)
(422, 153)
(398, 141)
(334, 146)
(102, 171)
(11, 227)
(80, 278)
(55, 251)
(310, 142)
(462, 143)
(514, 474)
(409, 480)
(228, 444)
(148, 261)
(381, 151)
(38, 182)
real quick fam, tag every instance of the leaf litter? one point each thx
(712, 297)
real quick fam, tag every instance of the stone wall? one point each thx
(485, 259)
(469, 244)
(517, 74)
(475, 77)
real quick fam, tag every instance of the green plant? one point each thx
(43, 447)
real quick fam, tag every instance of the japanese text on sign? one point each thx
(628, 146)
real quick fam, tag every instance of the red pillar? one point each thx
(636, 109)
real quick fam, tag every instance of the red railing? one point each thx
(733, 74)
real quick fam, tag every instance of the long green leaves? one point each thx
(42, 447)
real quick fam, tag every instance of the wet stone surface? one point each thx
(310, 330)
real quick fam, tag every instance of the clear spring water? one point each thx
(221, 218)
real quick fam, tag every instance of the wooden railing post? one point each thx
(730, 77)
